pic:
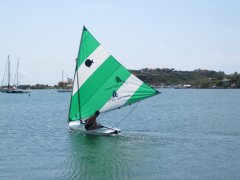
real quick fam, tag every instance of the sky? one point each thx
(179, 34)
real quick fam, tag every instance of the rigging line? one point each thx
(101, 116)
(5, 69)
(125, 117)
(15, 77)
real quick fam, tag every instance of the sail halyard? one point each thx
(102, 82)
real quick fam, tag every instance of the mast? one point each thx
(5, 69)
(62, 75)
(9, 75)
(17, 72)
(76, 74)
(79, 104)
(15, 81)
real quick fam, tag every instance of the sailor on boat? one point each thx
(91, 123)
(116, 88)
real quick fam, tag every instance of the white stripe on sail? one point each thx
(124, 93)
(98, 57)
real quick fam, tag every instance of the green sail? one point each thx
(101, 82)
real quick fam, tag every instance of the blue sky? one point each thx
(179, 34)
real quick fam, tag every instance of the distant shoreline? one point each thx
(170, 78)
(197, 79)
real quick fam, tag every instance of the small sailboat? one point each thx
(102, 84)
(14, 88)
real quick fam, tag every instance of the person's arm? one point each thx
(94, 120)
(88, 120)
(82, 122)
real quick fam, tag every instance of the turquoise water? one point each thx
(180, 134)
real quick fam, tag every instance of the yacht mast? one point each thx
(9, 74)
(17, 72)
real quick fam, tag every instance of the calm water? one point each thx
(180, 134)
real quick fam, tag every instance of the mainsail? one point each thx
(101, 82)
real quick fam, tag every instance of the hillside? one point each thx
(197, 78)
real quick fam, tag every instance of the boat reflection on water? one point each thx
(98, 157)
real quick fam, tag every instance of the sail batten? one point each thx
(102, 83)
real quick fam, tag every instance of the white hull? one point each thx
(21, 91)
(64, 90)
(104, 131)
(3, 90)
(15, 91)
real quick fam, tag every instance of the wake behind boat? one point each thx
(101, 84)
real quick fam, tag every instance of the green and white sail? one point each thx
(101, 82)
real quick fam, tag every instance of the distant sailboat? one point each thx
(14, 88)
(101, 83)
